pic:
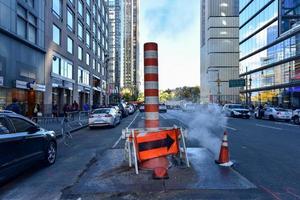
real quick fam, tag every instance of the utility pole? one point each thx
(218, 81)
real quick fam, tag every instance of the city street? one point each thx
(264, 152)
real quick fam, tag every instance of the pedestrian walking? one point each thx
(86, 107)
(75, 106)
(55, 110)
(15, 107)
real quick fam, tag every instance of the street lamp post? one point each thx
(218, 81)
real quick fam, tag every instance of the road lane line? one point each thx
(287, 124)
(119, 139)
(163, 116)
(117, 142)
(271, 127)
(231, 128)
(133, 120)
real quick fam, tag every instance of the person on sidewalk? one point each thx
(86, 107)
(55, 110)
(75, 106)
(15, 107)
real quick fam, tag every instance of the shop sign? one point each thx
(1, 81)
(30, 85)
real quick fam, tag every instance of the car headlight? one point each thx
(236, 113)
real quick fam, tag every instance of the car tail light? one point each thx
(108, 115)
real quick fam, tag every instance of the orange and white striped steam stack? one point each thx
(151, 85)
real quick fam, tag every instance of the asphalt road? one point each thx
(265, 152)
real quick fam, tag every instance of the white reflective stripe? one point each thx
(151, 70)
(151, 115)
(150, 54)
(225, 138)
(151, 100)
(225, 144)
(151, 84)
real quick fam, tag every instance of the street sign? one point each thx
(237, 83)
(156, 144)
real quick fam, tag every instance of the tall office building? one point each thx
(131, 77)
(269, 51)
(115, 47)
(77, 52)
(219, 50)
(22, 53)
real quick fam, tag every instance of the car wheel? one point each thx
(271, 118)
(255, 115)
(287, 120)
(296, 120)
(231, 114)
(248, 117)
(50, 153)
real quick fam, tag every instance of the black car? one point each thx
(22, 143)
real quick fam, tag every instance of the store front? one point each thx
(96, 91)
(27, 95)
(84, 95)
(62, 93)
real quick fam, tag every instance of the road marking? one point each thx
(231, 128)
(119, 139)
(163, 116)
(133, 120)
(287, 124)
(117, 142)
(271, 127)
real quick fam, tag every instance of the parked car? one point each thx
(123, 109)
(277, 114)
(131, 109)
(236, 110)
(22, 143)
(104, 117)
(296, 116)
(162, 108)
(142, 108)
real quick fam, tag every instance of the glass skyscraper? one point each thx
(269, 40)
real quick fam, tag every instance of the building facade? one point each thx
(131, 79)
(115, 48)
(219, 57)
(22, 53)
(269, 51)
(76, 62)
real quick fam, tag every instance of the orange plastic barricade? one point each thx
(156, 144)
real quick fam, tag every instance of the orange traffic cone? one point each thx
(224, 153)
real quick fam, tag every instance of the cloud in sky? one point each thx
(175, 26)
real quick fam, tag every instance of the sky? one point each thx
(175, 26)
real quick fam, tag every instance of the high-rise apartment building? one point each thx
(22, 53)
(77, 52)
(219, 50)
(131, 77)
(269, 51)
(115, 47)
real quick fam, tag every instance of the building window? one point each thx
(30, 3)
(88, 18)
(80, 30)
(88, 2)
(87, 59)
(21, 27)
(94, 64)
(56, 65)
(88, 39)
(98, 68)
(56, 34)
(102, 71)
(80, 8)
(26, 24)
(94, 46)
(79, 53)
(56, 7)
(70, 19)
(83, 76)
(70, 45)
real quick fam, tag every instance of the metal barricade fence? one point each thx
(72, 121)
